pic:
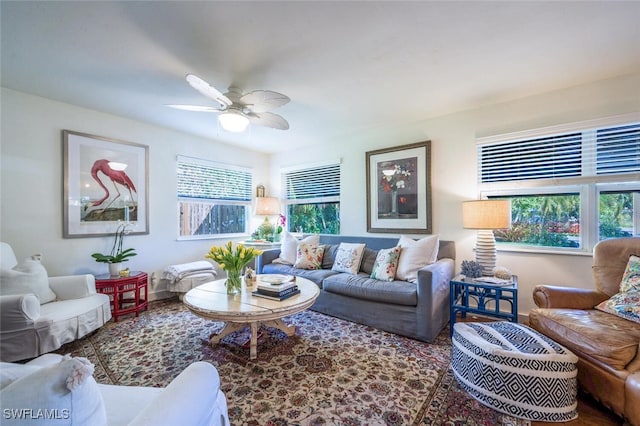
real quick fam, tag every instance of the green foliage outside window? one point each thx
(317, 218)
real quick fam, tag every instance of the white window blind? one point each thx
(208, 180)
(314, 182)
(618, 150)
(612, 150)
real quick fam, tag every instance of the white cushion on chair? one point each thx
(27, 277)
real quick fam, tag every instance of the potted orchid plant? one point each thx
(117, 255)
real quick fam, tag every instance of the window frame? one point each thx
(589, 185)
(246, 203)
(286, 201)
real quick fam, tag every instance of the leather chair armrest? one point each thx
(632, 398)
(549, 296)
(73, 286)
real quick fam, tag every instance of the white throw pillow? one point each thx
(10, 372)
(348, 258)
(289, 247)
(415, 255)
(27, 277)
(66, 392)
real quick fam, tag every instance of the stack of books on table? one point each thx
(279, 291)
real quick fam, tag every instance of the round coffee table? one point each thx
(211, 301)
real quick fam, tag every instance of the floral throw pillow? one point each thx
(625, 305)
(309, 256)
(348, 258)
(384, 268)
(631, 276)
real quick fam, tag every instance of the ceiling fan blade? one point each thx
(260, 101)
(207, 90)
(269, 119)
(196, 108)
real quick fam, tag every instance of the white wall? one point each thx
(453, 161)
(32, 181)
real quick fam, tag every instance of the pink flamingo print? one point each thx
(116, 177)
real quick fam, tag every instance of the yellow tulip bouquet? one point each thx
(233, 261)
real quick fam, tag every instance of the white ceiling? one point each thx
(347, 66)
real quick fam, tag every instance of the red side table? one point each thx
(128, 294)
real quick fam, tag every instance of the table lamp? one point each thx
(485, 216)
(266, 206)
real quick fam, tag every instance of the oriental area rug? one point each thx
(331, 372)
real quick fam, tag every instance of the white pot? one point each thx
(114, 269)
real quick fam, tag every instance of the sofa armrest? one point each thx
(73, 286)
(190, 399)
(435, 276)
(550, 296)
(19, 311)
(267, 256)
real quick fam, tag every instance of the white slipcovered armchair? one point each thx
(64, 389)
(40, 313)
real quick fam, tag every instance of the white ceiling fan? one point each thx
(236, 109)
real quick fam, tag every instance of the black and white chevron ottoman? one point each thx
(515, 370)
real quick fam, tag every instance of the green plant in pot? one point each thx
(117, 254)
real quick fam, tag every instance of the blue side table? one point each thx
(486, 299)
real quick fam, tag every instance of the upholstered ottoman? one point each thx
(515, 370)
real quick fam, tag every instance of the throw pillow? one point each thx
(10, 372)
(348, 258)
(309, 256)
(384, 268)
(625, 305)
(289, 247)
(631, 276)
(66, 390)
(415, 255)
(27, 277)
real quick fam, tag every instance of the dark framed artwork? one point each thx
(106, 182)
(399, 189)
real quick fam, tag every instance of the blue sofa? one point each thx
(418, 310)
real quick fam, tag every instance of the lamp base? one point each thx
(486, 251)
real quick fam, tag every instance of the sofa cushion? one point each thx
(315, 275)
(66, 389)
(348, 258)
(386, 263)
(368, 260)
(289, 247)
(415, 255)
(27, 277)
(363, 287)
(329, 255)
(604, 337)
(309, 256)
(631, 276)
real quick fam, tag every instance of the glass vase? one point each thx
(233, 282)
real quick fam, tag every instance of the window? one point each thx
(312, 196)
(569, 187)
(213, 199)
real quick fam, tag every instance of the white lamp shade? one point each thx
(486, 214)
(233, 122)
(267, 206)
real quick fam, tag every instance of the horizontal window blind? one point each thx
(613, 150)
(314, 182)
(618, 150)
(541, 158)
(208, 180)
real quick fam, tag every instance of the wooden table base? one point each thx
(230, 327)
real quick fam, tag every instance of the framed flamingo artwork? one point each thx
(106, 183)
(399, 189)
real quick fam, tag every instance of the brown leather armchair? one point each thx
(606, 345)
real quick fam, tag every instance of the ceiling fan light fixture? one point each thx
(233, 122)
